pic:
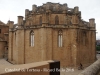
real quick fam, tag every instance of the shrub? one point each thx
(98, 48)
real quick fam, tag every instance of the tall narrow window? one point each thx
(15, 38)
(56, 19)
(40, 20)
(0, 30)
(60, 38)
(84, 38)
(32, 38)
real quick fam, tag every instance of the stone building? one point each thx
(52, 31)
(4, 30)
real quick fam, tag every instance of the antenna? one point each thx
(9, 18)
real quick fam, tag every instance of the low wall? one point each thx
(93, 69)
(39, 68)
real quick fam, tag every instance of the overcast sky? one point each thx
(10, 9)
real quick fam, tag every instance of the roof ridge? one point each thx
(2, 23)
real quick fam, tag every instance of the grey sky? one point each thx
(10, 9)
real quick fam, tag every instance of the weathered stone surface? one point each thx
(93, 69)
(78, 37)
(4, 30)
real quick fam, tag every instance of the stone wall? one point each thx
(86, 48)
(93, 69)
(78, 37)
(2, 48)
(38, 68)
(46, 47)
(4, 30)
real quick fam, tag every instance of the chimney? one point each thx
(20, 20)
(34, 8)
(11, 24)
(92, 22)
(76, 9)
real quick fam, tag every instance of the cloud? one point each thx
(13, 8)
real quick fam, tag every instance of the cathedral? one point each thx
(52, 31)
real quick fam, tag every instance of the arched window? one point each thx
(40, 20)
(56, 19)
(60, 38)
(32, 38)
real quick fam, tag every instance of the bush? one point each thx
(98, 48)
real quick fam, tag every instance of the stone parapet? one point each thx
(93, 69)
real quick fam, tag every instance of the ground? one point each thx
(64, 71)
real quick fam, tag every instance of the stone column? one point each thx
(20, 46)
(10, 48)
(26, 13)
(74, 46)
(43, 43)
